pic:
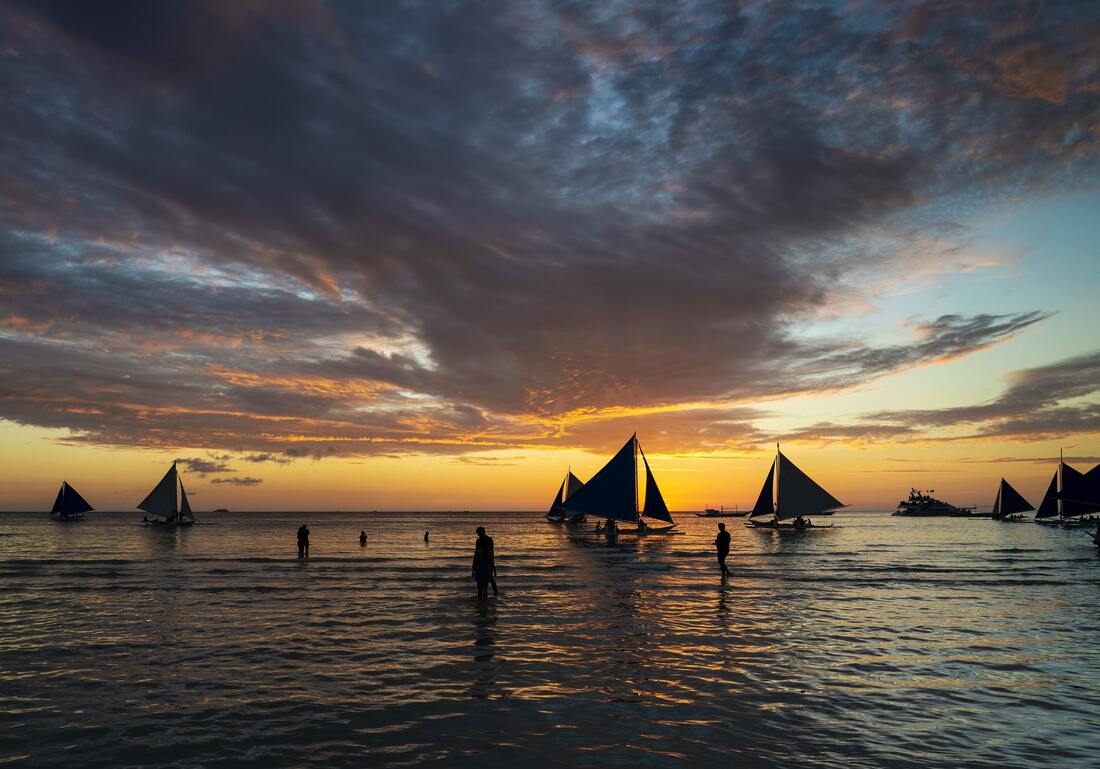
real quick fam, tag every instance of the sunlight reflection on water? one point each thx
(881, 642)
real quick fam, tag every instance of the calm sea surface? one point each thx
(879, 642)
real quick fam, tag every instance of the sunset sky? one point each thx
(429, 255)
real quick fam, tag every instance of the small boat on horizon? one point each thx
(922, 505)
(69, 505)
(612, 494)
(796, 496)
(711, 512)
(161, 502)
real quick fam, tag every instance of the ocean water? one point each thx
(882, 642)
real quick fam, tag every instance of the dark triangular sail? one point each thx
(1048, 508)
(798, 494)
(185, 506)
(655, 506)
(1009, 501)
(162, 499)
(556, 510)
(764, 504)
(59, 501)
(573, 484)
(1076, 494)
(73, 503)
(613, 491)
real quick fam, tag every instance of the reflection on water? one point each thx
(881, 642)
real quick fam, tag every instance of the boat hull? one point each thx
(67, 518)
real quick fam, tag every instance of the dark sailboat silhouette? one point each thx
(161, 502)
(1071, 497)
(796, 496)
(69, 505)
(568, 488)
(1010, 504)
(612, 493)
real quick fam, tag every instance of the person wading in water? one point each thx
(303, 541)
(484, 567)
(722, 542)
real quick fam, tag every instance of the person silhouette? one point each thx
(722, 543)
(303, 541)
(425, 536)
(484, 565)
(362, 538)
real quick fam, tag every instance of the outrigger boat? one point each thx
(161, 502)
(796, 496)
(570, 486)
(69, 505)
(612, 494)
(1071, 499)
(1010, 505)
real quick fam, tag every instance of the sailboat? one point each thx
(1069, 497)
(161, 502)
(568, 488)
(69, 505)
(797, 496)
(1010, 504)
(612, 494)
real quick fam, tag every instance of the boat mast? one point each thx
(637, 513)
(776, 517)
(1061, 465)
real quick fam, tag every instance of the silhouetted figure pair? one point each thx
(425, 536)
(485, 565)
(303, 541)
(722, 543)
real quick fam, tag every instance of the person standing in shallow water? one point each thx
(722, 543)
(303, 541)
(425, 536)
(484, 567)
(362, 538)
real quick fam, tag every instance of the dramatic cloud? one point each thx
(299, 230)
(1048, 401)
(204, 467)
(245, 481)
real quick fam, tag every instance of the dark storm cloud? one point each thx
(299, 229)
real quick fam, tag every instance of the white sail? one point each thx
(798, 494)
(162, 499)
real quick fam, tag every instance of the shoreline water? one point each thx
(880, 642)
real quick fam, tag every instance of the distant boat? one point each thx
(69, 505)
(161, 502)
(796, 496)
(570, 486)
(1071, 497)
(710, 512)
(612, 494)
(1010, 505)
(922, 504)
